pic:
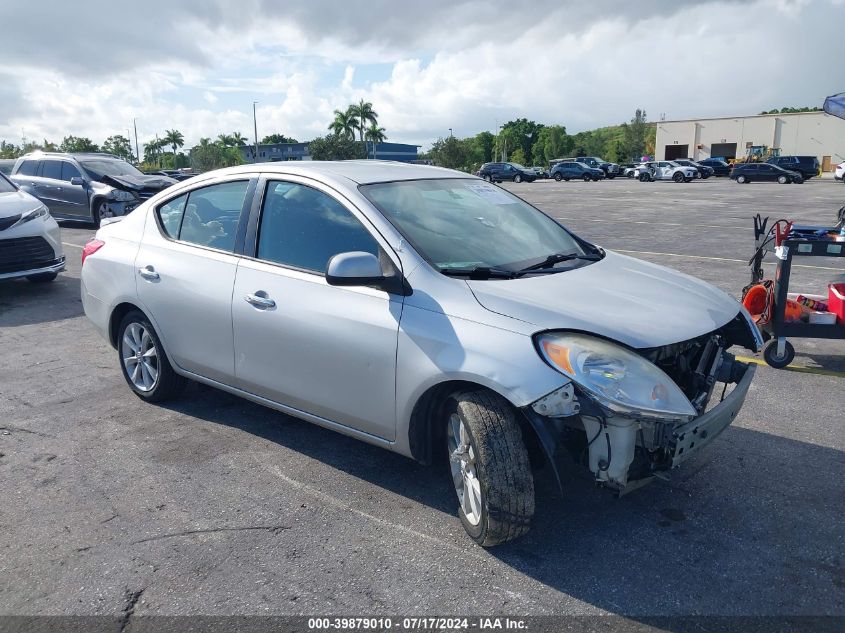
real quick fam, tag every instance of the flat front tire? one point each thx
(143, 361)
(490, 468)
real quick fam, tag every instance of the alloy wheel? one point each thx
(464, 470)
(140, 357)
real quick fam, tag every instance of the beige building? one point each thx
(800, 134)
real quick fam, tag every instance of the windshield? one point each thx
(99, 167)
(6, 185)
(463, 223)
(517, 165)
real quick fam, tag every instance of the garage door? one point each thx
(723, 150)
(676, 151)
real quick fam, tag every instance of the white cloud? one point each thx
(453, 64)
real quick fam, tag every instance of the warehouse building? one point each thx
(799, 134)
(299, 151)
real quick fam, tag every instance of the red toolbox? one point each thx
(836, 301)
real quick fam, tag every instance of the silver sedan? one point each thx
(425, 311)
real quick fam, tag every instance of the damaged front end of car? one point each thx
(122, 194)
(632, 415)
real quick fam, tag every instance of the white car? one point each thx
(666, 170)
(30, 239)
(839, 173)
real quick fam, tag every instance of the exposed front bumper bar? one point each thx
(54, 267)
(691, 437)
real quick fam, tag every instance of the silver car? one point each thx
(424, 311)
(30, 239)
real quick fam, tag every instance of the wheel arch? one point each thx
(424, 434)
(117, 314)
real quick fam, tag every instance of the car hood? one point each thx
(628, 300)
(16, 202)
(137, 183)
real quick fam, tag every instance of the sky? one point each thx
(89, 68)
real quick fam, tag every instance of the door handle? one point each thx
(149, 273)
(260, 300)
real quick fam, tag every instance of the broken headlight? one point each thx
(122, 196)
(618, 379)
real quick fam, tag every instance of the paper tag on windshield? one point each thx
(490, 193)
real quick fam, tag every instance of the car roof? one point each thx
(41, 154)
(361, 172)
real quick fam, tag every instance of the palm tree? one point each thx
(344, 123)
(173, 138)
(225, 140)
(375, 134)
(238, 138)
(363, 113)
(152, 150)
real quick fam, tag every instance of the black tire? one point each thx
(705, 176)
(501, 465)
(168, 384)
(770, 354)
(631, 174)
(487, 177)
(783, 179)
(587, 177)
(518, 178)
(99, 211)
(678, 177)
(741, 179)
(558, 177)
(610, 176)
(566, 179)
(42, 278)
(798, 181)
(644, 177)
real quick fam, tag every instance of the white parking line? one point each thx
(74, 245)
(706, 226)
(720, 259)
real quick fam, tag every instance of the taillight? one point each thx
(91, 247)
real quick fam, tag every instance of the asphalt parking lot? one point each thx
(212, 505)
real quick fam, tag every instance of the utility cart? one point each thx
(796, 241)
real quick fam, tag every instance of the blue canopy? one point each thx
(835, 105)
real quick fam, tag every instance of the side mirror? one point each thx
(77, 180)
(355, 268)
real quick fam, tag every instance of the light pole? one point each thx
(255, 129)
(450, 133)
(137, 154)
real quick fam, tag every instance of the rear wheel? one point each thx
(587, 177)
(143, 361)
(517, 178)
(558, 177)
(490, 468)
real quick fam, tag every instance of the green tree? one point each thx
(225, 140)
(78, 144)
(364, 114)
(208, 155)
(336, 147)
(483, 147)
(272, 139)
(522, 133)
(452, 152)
(238, 139)
(375, 133)
(635, 134)
(153, 150)
(344, 124)
(552, 142)
(174, 138)
(119, 146)
(9, 150)
(518, 156)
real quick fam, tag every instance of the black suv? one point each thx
(497, 172)
(567, 170)
(719, 167)
(611, 170)
(89, 186)
(762, 172)
(807, 166)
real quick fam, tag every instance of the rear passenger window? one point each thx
(28, 168)
(303, 227)
(170, 215)
(52, 169)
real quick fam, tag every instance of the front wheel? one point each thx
(610, 176)
(143, 361)
(678, 177)
(778, 361)
(100, 212)
(783, 180)
(587, 177)
(741, 180)
(490, 469)
(558, 177)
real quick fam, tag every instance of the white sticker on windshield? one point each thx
(490, 193)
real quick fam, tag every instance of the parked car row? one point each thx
(761, 172)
